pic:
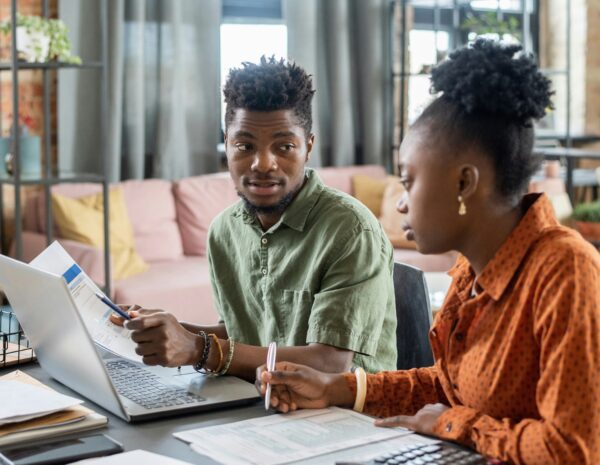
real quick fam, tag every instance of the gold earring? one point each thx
(462, 209)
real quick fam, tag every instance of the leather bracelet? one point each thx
(199, 366)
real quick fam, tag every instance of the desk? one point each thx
(157, 435)
(571, 156)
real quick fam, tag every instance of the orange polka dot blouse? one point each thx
(519, 361)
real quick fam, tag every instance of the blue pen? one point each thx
(113, 307)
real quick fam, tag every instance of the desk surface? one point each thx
(157, 435)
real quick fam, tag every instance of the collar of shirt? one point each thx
(499, 272)
(296, 214)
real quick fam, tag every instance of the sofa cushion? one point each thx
(340, 177)
(151, 208)
(82, 220)
(199, 200)
(181, 287)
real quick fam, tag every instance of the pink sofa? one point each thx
(170, 223)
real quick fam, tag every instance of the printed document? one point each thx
(94, 313)
(278, 439)
(22, 402)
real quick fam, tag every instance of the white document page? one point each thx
(278, 439)
(94, 313)
(22, 401)
(133, 457)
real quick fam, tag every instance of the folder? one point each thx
(74, 419)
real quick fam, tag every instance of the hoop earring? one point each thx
(462, 208)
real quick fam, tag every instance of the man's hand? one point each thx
(161, 340)
(132, 310)
(297, 386)
(422, 422)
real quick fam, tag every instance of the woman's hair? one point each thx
(490, 95)
(269, 86)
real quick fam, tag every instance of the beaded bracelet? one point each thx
(206, 370)
(199, 366)
(229, 358)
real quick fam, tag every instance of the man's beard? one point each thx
(277, 208)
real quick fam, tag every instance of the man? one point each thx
(294, 261)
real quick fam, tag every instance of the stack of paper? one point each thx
(31, 410)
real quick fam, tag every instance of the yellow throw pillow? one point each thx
(390, 219)
(81, 220)
(370, 191)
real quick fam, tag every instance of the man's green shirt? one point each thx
(322, 274)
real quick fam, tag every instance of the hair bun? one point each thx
(488, 77)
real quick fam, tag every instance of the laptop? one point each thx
(130, 390)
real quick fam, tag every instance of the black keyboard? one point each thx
(145, 388)
(429, 454)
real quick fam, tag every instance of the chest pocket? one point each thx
(295, 309)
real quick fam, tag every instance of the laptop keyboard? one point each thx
(430, 454)
(145, 388)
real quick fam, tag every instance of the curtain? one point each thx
(163, 89)
(345, 45)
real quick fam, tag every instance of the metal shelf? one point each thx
(46, 178)
(7, 66)
(27, 179)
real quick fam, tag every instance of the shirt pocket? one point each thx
(295, 315)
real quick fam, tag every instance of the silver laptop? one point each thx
(64, 348)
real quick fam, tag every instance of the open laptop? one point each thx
(133, 391)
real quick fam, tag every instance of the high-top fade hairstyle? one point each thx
(269, 86)
(490, 95)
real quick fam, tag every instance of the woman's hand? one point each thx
(422, 422)
(297, 386)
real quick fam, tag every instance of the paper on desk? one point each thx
(77, 418)
(22, 402)
(94, 313)
(278, 439)
(134, 456)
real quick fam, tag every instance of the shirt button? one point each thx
(264, 271)
(459, 337)
(448, 427)
(264, 240)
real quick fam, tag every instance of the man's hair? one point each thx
(490, 95)
(269, 86)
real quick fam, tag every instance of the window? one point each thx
(250, 29)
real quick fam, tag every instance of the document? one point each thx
(278, 439)
(74, 419)
(22, 402)
(94, 313)
(134, 456)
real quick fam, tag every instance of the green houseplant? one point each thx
(41, 39)
(587, 220)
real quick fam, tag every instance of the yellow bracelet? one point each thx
(218, 344)
(361, 389)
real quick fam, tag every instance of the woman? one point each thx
(517, 341)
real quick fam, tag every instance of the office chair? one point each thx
(413, 311)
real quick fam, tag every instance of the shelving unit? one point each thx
(447, 16)
(49, 177)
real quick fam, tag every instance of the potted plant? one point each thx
(587, 220)
(41, 39)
